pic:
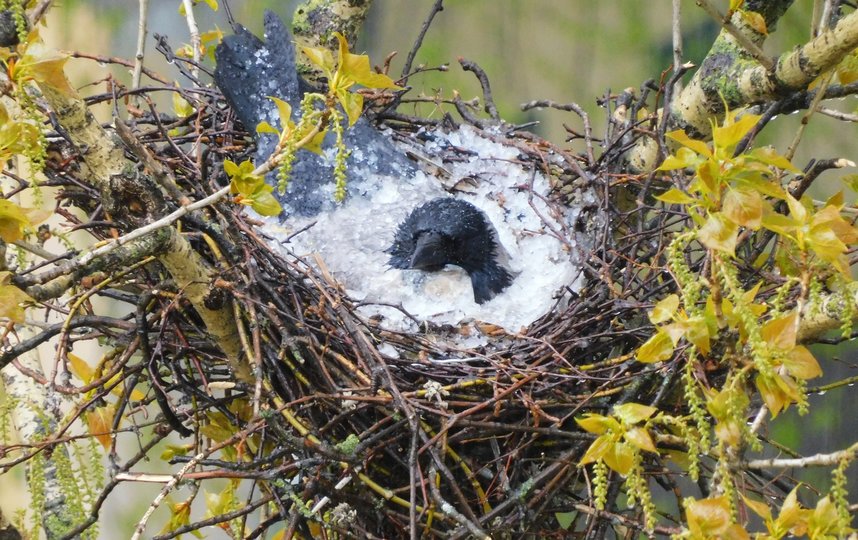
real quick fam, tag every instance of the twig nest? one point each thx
(536, 232)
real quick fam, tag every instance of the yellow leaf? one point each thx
(682, 138)
(100, 422)
(760, 508)
(719, 233)
(744, 208)
(265, 127)
(12, 221)
(596, 423)
(45, 66)
(773, 396)
(352, 103)
(729, 432)
(640, 438)
(356, 68)
(796, 209)
(597, 450)
(755, 21)
(284, 111)
(80, 368)
(657, 348)
(181, 107)
(709, 518)
(675, 196)
(675, 331)
(780, 333)
(793, 517)
(11, 298)
(764, 187)
(664, 310)
(727, 136)
(830, 216)
(315, 144)
(801, 363)
(697, 332)
(683, 158)
(321, 57)
(769, 156)
(632, 413)
(620, 457)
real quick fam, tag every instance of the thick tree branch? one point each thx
(729, 75)
(314, 23)
(136, 198)
(829, 312)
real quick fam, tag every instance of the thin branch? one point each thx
(743, 40)
(195, 36)
(141, 43)
(437, 7)
(818, 460)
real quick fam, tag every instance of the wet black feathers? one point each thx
(450, 231)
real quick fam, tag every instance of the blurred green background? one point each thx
(567, 51)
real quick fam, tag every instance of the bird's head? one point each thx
(450, 231)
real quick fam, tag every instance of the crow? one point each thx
(451, 231)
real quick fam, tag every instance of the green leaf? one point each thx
(565, 519)
(173, 450)
(849, 180)
(719, 233)
(657, 348)
(664, 310)
(266, 204)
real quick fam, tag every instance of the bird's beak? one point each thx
(429, 253)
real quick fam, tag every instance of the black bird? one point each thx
(451, 231)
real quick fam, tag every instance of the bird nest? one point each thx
(372, 430)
